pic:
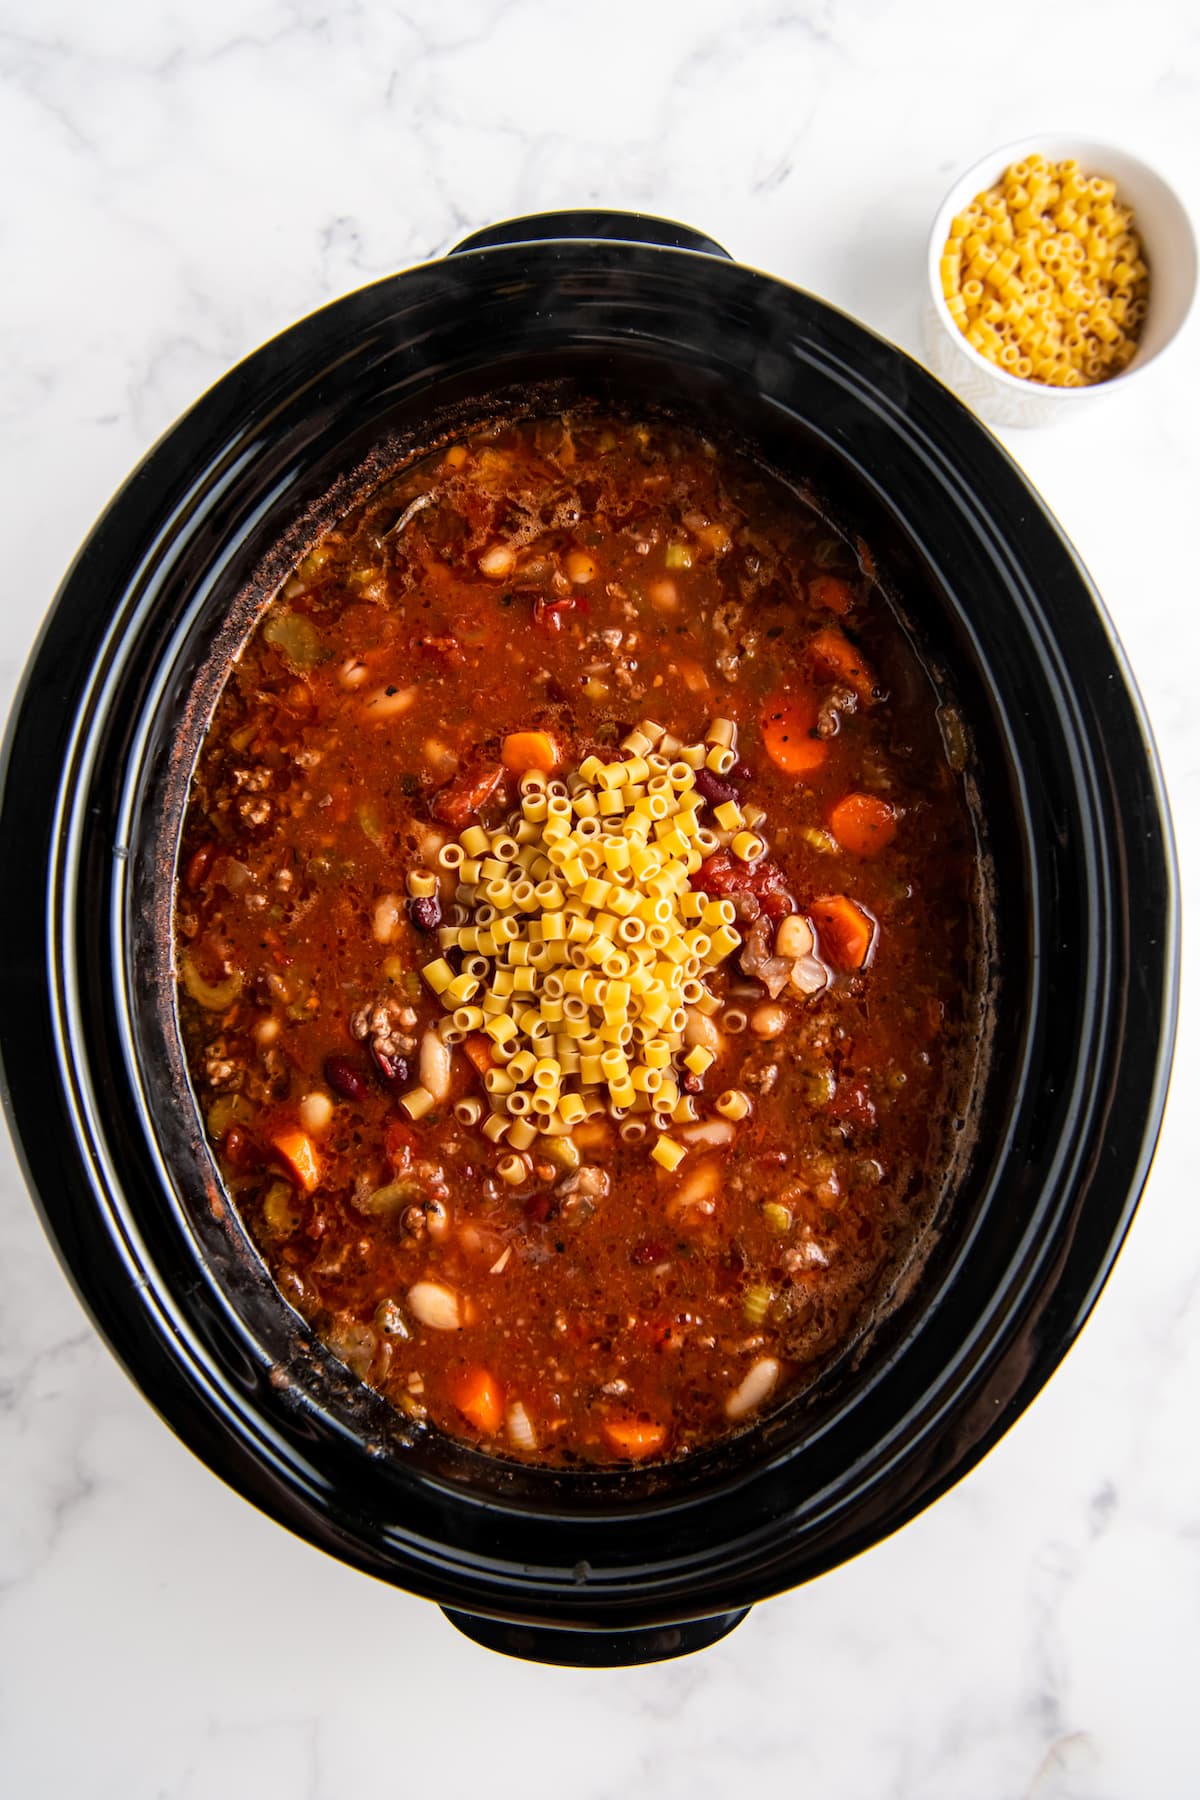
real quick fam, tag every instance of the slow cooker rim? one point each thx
(675, 1609)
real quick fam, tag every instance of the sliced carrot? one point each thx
(635, 1438)
(478, 1397)
(831, 591)
(478, 1049)
(300, 1154)
(789, 724)
(523, 750)
(832, 657)
(845, 931)
(863, 824)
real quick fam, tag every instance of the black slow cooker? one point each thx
(609, 1567)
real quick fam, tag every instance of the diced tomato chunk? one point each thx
(852, 1102)
(400, 1141)
(722, 874)
(456, 804)
(552, 613)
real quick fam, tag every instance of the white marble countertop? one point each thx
(182, 181)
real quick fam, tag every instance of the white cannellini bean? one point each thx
(708, 1131)
(753, 1389)
(700, 1030)
(498, 561)
(440, 756)
(316, 1111)
(388, 702)
(353, 673)
(385, 921)
(768, 1020)
(794, 937)
(429, 842)
(434, 1305)
(520, 1431)
(696, 1194)
(435, 1066)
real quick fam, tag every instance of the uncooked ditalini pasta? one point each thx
(1044, 275)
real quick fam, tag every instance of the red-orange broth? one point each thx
(559, 582)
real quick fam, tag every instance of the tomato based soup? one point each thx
(577, 927)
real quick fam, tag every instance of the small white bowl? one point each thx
(1170, 250)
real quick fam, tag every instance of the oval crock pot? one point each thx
(611, 1566)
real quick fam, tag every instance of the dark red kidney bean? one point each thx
(346, 1078)
(692, 1084)
(393, 1070)
(741, 771)
(241, 1149)
(647, 1253)
(426, 912)
(715, 790)
(538, 1208)
(199, 863)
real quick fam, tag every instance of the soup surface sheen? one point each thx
(576, 928)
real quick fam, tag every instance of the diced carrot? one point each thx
(845, 931)
(831, 591)
(523, 750)
(478, 1397)
(789, 724)
(300, 1154)
(478, 1049)
(635, 1438)
(863, 824)
(832, 657)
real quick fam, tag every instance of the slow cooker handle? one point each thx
(595, 1649)
(604, 223)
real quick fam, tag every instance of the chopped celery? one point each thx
(560, 1151)
(296, 636)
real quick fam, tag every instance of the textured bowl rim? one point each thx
(1012, 152)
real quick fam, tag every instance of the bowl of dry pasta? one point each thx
(1058, 267)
